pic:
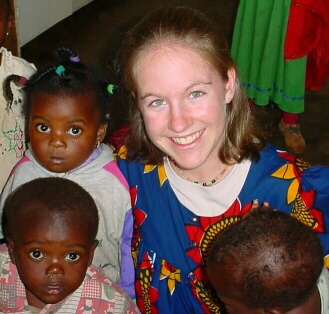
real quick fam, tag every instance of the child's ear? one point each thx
(92, 251)
(11, 249)
(101, 132)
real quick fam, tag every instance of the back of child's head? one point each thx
(273, 260)
(49, 196)
(68, 78)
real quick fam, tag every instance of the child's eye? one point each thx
(196, 94)
(43, 128)
(75, 130)
(72, 257)
(37, 255)
(158, 103)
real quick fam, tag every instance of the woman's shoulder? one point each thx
(273, 156)
(281, 164)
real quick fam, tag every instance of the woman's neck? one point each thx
(207, 176)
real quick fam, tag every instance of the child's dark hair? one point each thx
(273, 259)
(52, 194)
(69, 77)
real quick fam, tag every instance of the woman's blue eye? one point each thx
(72, 257)
(196, 94)
(157, 103)
(37, 255)
(75, 130)
(43, 128)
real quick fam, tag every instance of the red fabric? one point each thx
(289, 118)
(308, 34)
(118, 137)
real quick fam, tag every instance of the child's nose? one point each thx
(57, 141)
(55, 269)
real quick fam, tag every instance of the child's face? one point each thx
(51, 253)
(64, 130)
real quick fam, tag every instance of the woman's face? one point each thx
(183, 103)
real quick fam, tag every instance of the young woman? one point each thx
(194, 162)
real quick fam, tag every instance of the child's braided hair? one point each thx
(69, 77)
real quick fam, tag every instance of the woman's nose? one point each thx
(179, 119)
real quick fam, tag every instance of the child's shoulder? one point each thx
(99, 287)
(21, 165)
(96, 276)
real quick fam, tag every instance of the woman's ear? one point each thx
(230, 85)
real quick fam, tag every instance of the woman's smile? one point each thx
(188, 139)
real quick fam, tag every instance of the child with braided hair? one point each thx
(67, 109)
(12, 139)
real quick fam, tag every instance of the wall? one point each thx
(33, 17)
(77, 4)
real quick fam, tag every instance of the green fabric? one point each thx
(258, 50)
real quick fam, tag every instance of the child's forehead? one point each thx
(63, 94)
(60, 106)
(45, 212)
(41, 215)
(56, 224)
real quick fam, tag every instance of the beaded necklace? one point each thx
(209, 183)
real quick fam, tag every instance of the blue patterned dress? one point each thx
(170, 242)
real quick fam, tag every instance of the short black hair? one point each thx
(288, 277)
(52, 194)
(68, 78)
